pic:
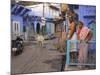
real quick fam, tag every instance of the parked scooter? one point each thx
(17, 46)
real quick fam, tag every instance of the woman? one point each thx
(84, 35)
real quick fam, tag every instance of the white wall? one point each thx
(37, 10)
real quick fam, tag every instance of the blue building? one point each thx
(86, 14)
(17, 24)
(27, 20)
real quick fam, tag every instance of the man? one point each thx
(84, 35)
(72, 36)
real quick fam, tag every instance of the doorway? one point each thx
(38, 28)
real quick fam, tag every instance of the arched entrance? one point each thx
(38, 28)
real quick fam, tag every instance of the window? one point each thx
(24, 28)
(16, 26)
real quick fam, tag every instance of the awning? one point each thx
(20, 10)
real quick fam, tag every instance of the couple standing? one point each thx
(83, 34)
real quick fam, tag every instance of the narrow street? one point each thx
(36, 59)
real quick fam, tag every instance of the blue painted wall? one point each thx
(18, 18)
(87, 14)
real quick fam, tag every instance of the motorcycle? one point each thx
(17, 46)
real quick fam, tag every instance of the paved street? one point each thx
(37, 59)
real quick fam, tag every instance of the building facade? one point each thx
(47, 11)
(87, 14)
(17, 23)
